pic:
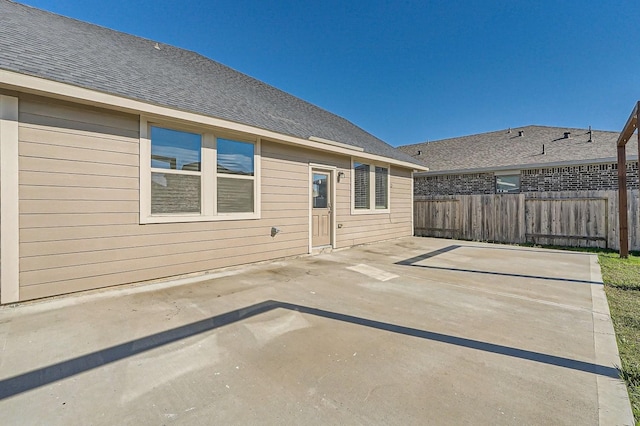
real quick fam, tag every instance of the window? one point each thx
(506, 184)
(191, 176)
(175, 171)
(370, 188)
(361, 185)
(235, 176)
(382, 180)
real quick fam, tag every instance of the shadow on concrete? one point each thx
(527, 249)
(46, 375)
(413, 260)
(429, 255)
(505, 274)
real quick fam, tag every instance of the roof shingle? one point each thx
(54, 47)
(505, 148)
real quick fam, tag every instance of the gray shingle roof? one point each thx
(502, 149)
(43, 44)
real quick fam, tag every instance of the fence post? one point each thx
(622, 202)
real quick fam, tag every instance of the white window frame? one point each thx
(515, 173)
(372, 187)
(208, 175)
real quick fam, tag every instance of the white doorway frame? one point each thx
(332, 170)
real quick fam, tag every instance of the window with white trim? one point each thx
(382, 187)
(175, 171)
(507, 184)
(197, 176)
(370, 188)
(235, 176)
(361, 186)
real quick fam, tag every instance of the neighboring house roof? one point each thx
(53, 47)
(506, 149)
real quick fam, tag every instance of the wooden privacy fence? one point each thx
(578, 219)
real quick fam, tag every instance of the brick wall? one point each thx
(566, 178)
(577, 178)
(463, 184)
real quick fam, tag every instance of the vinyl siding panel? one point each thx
(64, 180)
(79, 207)
(368, 228)
(153, 272)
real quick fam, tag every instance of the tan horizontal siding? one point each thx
(284, 207)
(287, 175)
(76, 219)
(356, 233)
(33, 192)
(62, 111)
(78, 139)
(300, 199)
(101, 255)
(169, 257)
(73, 206)
(165, 230)
(275, 190)
(366, 228)
(367, 219)
(403, 209)
(79, 245)
(73, 124)
(66, 180)
(40, 150)
(285, 214)
(271, 179)
(76, 167)
(304, 156)
(301, 169)
(374, 237)
(141, 275)
(79, 207)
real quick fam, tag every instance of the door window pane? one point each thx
(175, 193)
(320, 195)
(235, 195)
(173, 149)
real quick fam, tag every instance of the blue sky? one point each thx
(411, 71)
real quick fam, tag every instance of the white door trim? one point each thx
(332, 176)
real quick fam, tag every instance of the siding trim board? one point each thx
(9, 210)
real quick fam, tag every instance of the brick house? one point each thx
(522, 160)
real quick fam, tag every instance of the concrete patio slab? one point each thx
(409, 331)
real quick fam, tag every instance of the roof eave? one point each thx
(20, 82)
